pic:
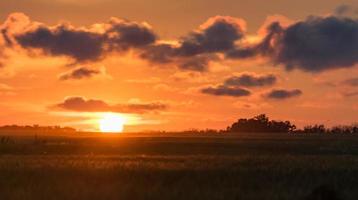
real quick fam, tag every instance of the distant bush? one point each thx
(353, 129)
(261, 124)
(315, 129)
(321, 129)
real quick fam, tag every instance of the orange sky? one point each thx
(39, 80)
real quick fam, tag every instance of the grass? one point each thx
(247, 166)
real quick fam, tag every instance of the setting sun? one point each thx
(111, 123)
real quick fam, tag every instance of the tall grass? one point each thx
(242, 167)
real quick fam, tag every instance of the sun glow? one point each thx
(111, 123)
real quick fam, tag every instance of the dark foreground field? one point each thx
(229, 167)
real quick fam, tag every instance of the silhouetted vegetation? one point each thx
(36, 129)
(321, 129)
(318, 128)
(258, 124)
(261, 124)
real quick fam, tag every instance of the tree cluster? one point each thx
(261, 124)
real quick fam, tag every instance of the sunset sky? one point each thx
(176, 65)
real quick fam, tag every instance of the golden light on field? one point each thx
(111, 123)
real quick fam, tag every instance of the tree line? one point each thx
(262, 124)
(37, 129)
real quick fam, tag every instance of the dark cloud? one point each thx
(250, 80)
(197, 63)
(64, 41)
(319, 44)
(80, 104)
(241, 53)
(123, 35)
(80, 73)
(236, 85)
(159, 53)
(314, 45)
(223, 90)
(83, 44)
(195, 51)
(265, 47)
(6, 37)
(219, 36)
(283, 94)
(165, 54)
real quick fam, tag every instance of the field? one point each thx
(130, 167)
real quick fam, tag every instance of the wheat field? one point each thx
(251, 166)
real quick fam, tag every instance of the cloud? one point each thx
(312, 45)
(236, 85)
(80, 104)
(159, 53)
(223, 90)
(315, 44)
(15, 23)
(218, 34)
(351, 94)
(79, 43)
(197, 63)
(63, 40)
(318, 44)
(123, 35)
(196, 50)
(342, 9)
(79, 73)
(351, 82)
(190, 76)
(264, 48)
(281, 94)
(88, 44)
(251, 80)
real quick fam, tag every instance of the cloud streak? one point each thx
(79, 73)
(223, 90)
(251, 80)
(80, 104)
(236, 86)
(281, 94)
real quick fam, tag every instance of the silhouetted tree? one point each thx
(261, 123)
